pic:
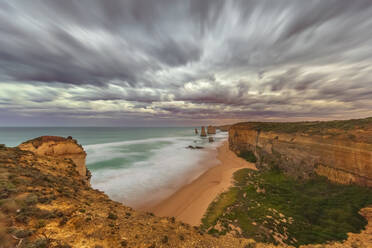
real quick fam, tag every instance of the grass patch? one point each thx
(218, 207)
(308, 126)
(248, 155)
(269, 205)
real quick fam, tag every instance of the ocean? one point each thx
(136, 166)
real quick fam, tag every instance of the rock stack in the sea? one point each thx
(196, 131)
(59, 147)
(211, 130)
(203, 133)
(210, 139)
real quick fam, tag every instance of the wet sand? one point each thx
(190, 202)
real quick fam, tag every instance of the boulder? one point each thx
(195, 147)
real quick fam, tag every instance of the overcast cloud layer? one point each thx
(168, 62)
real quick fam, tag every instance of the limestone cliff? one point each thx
(211, 130)
(339, 150)
(202, 132)
(59, 148)
(45, 202)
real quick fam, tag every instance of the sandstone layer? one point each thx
(202, 132)
(59, 148)
(211, 130)
(339, 150)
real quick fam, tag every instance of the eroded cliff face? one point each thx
(211, 130)
(59, 148)
(45, 202)
(341, 151)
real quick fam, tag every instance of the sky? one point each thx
(181, 63)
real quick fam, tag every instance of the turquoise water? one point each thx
(136, 166)
(13, 136)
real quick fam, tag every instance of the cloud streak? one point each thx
(171, 61)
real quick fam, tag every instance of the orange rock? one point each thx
(203, 133)
(59, 147)
(343, 155)
(211, 130)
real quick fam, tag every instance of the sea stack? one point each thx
(210, 139)
(196, 131)
(211, 130)
(203, 133)
(59, 147)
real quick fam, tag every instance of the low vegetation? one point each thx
(309, 127)
(272, 207)
(248, 155)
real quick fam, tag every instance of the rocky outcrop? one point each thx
(202, 132)
(211, 130)
(59, 148)
(339, 150)
(194, 147)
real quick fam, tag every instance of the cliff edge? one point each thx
(339, 150)
(59, 148)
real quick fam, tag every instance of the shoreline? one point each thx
(190, 202)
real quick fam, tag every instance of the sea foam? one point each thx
(160, 166)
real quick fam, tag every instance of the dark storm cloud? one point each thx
(179, 59)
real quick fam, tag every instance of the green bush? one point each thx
(315, 211)
(112, 216)
(248, 155)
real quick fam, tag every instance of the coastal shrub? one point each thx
(112, 216)
(315, 127)
(40, 224)
(218, 206)
(63, 221)
(164, 240)
(22, 233)
(304, 211)
(40, 243)
(248, 155)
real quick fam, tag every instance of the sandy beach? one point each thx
(190, 202)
